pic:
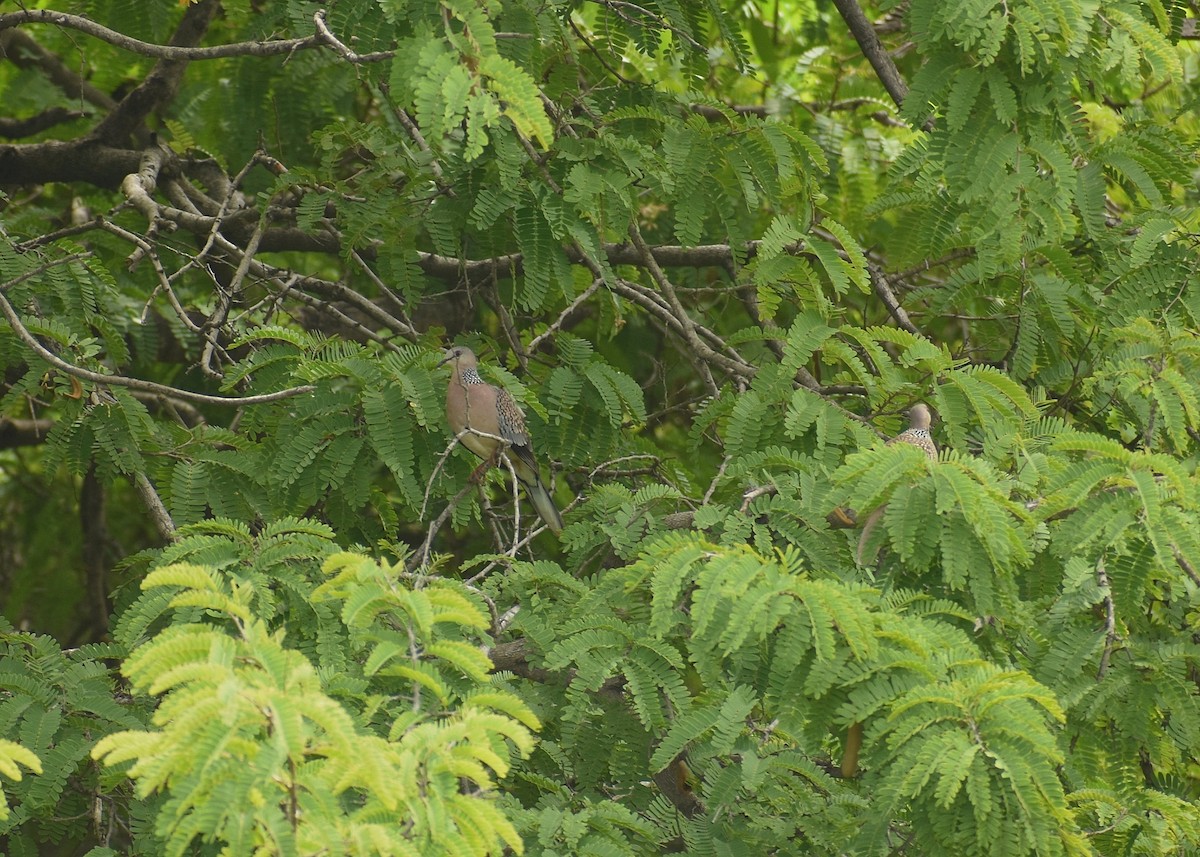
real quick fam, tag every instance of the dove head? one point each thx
(919, 417)
(463, 357)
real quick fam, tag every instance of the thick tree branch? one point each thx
(83, 160)
(161, 84)
(23, 51)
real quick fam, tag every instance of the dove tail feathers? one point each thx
(543, 503)
(868, 547)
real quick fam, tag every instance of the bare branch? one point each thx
(536, 342)
(57, 362)
(884, 290)
(873, 50)
(225, 298)
(23, 51)
(1187, 567)
(45, 266)
(16, 432)
(48, 118)
(161, 84)
(330, 39)
(734, 367)
(154, 504)
(421, 558)
(148, 49)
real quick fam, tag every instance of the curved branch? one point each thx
(733, 365)
(322, 38)
(334, 42)
(148, 49)
(16, 128)
(57, 362)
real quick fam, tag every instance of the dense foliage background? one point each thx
(252, 602)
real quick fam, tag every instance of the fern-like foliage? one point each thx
(54, 705)
(272, 759)
(823, 654)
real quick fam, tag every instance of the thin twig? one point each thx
(212, 328)
(712, 486)
(23, 51)
(407, 329)
(536, 342)
(702, 354)
(44, 267)
(516, 502)
(1187, 567)
(148, 251)
(421, 557)
(438, 467)
(417, 137)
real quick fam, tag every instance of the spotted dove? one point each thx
(916, 434)
(488, 414)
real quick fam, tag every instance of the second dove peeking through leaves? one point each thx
(917, 434)
(494, 423)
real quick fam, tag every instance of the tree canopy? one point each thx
(258, 600)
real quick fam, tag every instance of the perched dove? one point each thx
(489, 413)
(916, 434)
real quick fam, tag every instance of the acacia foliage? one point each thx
(714, 265)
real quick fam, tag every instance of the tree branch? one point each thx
(873, 50)
(148, 49)
(161, 84)
(154, 504)
(23, 51)
(884, 290)
(344, 52)
(15, 128)
(57, 362)
(82, 160)
(16, 432)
